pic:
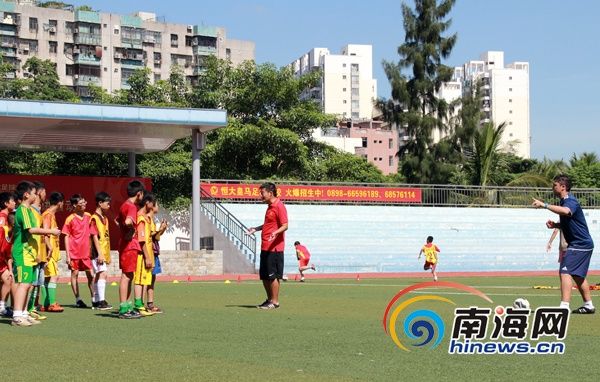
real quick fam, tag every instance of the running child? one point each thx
(431, 256)
(303, 257)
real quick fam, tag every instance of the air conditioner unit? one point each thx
(118, 55)
(190, 28)
(194, 43)
(76, 76)
(76, 51)
(76, 30)
(52, 29)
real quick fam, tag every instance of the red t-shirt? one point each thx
(127, 240)
(77, 228)
(5, 245)
(3, 217)
(275, 217)
(302, 252)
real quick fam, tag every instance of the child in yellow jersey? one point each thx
(156, 234)
(41, 259)
(431, 256)
(145, 260)
(100, 250)
(49, 304)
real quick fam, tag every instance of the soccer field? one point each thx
(325, 330)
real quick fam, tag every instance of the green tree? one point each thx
(414, 105)
(486, 151)
(585, 170)
(43, 83)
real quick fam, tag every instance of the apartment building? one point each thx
(105, 49)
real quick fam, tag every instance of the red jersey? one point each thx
(3, 217)
(5, 245)
(77, 228)
(302, 252)
(127, 240)
(275, 217)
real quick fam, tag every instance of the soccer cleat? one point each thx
(32, 320)
(154, 309)
(144, 312)
(265, 303)
(36, 315)
(7, 312)
(269, 306)
(103, 305)
(95, 304)
(302, 279)
(584, 310)
(55, 308)
(20, 321)
(129, 315)
(81, 304)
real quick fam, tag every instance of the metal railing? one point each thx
(234, 229)
(434, 195)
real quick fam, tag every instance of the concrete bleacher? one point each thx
(346, 238)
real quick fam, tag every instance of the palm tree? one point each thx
(486, 145)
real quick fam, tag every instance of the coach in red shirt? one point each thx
(272, 244)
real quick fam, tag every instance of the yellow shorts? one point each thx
(142, 275)
(51, 268)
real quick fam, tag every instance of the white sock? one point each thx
(100, 289)
(2, 305)
(19, 313)
(564, 304)
(95, 292)
(589, 304)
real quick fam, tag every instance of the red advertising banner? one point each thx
(87, 186)
(317, 193)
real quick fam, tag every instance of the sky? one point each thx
(559, 39)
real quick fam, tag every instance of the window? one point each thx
(188, 40)
(390, 143)
(343, 65)
(116, 31)
(69, 70)
(510, 123)
(105, 69)
(344, 101)
(510, 112)
(510, 134)
(390, 160)
(375, 141)
(510, 100)
(344, 89)
(33, 24)
(510, 89)
(156, 77)
(355, 92)
(104, 25)
(510, 77)
(344, 77)
(52, 47)
(228, 54)
(174, 41)
(364, 142)
(355, 115)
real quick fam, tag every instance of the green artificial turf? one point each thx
(325, 330)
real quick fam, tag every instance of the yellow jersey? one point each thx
(49, 220)
(39, 239)
(101, 224)
(430, 250)
(144, 226)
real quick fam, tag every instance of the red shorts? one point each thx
(304, 262)
(128, 261)
(81, 264)
(3, 266)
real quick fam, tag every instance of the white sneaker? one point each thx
(32, 321)
(20, 321)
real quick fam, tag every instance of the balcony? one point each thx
(8, 52)
(88, 39)
(85, 80)
(132, 64)
(204, 50)
(133, 43)
(198, 70)
(84, 59)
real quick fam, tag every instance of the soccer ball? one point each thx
(521, 303)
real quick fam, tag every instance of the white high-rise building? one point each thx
(347, 88)
(505, 95)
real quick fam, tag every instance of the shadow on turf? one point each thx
(241, 306)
